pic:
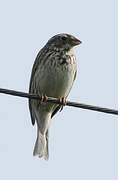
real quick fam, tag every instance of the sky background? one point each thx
(83, 144)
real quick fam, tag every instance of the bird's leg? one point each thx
(43, 99)
(63, 102)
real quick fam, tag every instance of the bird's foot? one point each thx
(43, 99)
(63, 102)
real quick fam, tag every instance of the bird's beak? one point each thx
(76, 42)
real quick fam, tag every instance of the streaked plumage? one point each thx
(53, 74)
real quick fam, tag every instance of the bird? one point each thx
(53, 74)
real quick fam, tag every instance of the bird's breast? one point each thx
(56, 77)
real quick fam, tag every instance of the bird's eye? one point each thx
(63, 38)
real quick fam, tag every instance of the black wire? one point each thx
(56, 101)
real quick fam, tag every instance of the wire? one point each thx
(56, 101)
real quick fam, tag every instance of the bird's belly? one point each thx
(57, 82)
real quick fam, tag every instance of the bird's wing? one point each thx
(56, 110)
(59, 106)
(31, 86)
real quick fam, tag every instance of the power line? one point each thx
(56, 101)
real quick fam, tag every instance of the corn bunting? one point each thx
(53, 74)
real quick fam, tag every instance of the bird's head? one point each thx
(63, 42)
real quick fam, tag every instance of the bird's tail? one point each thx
(41, 145)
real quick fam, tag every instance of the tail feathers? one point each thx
(46, 156)
(41, 146)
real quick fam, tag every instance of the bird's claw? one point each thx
(63, 102)
(43, 99)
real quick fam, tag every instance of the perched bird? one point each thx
(53, 74)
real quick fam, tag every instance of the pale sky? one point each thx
(83, 144)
